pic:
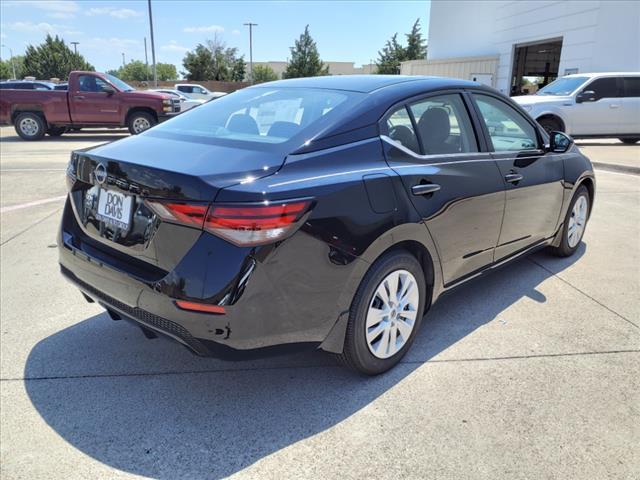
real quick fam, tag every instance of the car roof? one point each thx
(367, 83)
(603, 74)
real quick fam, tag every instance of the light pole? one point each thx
(153, 48)
(146, 60)
(250, 25)
(123, 63)
(13, 65)
(75, 47)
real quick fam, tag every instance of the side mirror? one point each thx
(586, 96)
(559, 142)
(108, 89)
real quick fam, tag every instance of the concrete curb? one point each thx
(617, 168)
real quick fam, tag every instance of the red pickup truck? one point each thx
(92, 100)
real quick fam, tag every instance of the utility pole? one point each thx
(250, 25)
(146, 59)
(13, 65)
(153, 48)
(123, 63)
(75, 47)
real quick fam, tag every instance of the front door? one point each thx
(91, 104)
(532, 178)
(456, 189)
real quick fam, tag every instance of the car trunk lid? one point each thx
(112, 184)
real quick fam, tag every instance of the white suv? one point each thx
(198, 91)
(589, 105)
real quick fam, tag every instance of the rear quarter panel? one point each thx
(346, 231)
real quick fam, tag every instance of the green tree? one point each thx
(238, 69)
(7, 66)
(53, 58)
(165, 72)
(5, 70)
(263, 73)
(197, 64)
(390, 56)
(305, 59)
(135, 70)
(416, 45)
(213, 61)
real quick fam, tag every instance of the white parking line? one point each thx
(8, 170)
(32, 204)
(604, 170)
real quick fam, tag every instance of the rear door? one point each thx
(450, 178)
(630, 106)
(90, 104)
(532, 178)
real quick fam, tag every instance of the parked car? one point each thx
(198, 91)
(26, 85)
(91, 100)
(61, 86)
(589, 105)
(326, 212)
(187, 102)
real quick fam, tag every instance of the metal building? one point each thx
(516, 46)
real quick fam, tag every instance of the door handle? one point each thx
(425, 188)
(79, 97)
(614, 105)
(513, 177)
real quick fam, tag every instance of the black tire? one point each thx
(30, 126)
(136, 117)
(630, 141)
(56, 131)
(356, 354)
(564, 249)
(551, 124)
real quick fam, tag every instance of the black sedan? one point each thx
(324, 213)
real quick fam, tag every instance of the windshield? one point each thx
(562, 86)
(120, 85)
(263, 115)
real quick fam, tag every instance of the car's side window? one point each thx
(90, 83)
(198, 90)
(509, 130)
(401, 129)
(631, 87)
(603, 88)
(443, 125)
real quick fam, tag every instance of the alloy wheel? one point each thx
(140, 124)
(577, 221)
(392, 314)
(29, 127)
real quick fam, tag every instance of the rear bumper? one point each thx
(289, 299)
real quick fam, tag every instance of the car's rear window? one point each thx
(262, 114)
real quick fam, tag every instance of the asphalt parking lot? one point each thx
(531, 372)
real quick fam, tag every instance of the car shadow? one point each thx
(153, 409)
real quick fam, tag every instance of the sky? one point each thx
(350, 31)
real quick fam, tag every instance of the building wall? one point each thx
(459, 67)
(597, 35)
(335, 68)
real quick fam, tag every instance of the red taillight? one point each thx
(192, 214)
(200, 307)
(255, 224)
(240, 224)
